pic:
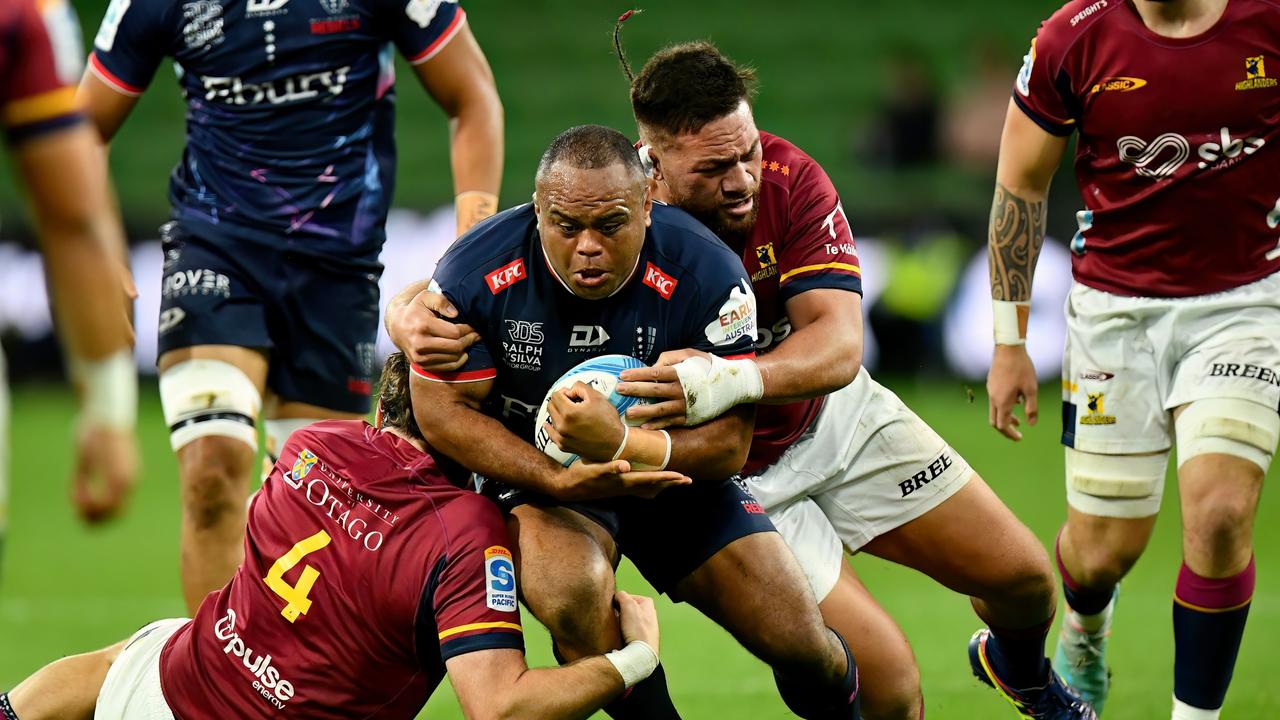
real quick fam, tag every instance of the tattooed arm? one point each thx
(1028, 157)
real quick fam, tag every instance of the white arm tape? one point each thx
(634, 663)
(626, 432)
(1009, 321)
(666, 459)
(109, 390)
(712, 388)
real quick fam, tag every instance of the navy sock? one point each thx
(1017, 656)
(1084, 600)
(648, 699)
(1209, 615)
(814, 701)
(6, 710)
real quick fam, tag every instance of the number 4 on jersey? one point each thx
(295, 596)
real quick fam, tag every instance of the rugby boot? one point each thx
(1081, 658)
(1054, 701)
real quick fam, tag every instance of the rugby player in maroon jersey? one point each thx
(1173, 322)
(57, 159)
(366, 577)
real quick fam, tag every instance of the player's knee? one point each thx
(214, 472)
(1221, 521)
(1101, 565)
(205, 398)
(893, 695)
(576, 608)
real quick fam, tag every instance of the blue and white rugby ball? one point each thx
(600, 373)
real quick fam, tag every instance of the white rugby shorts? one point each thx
(1130, 361)
(132, 688)
(866, 465)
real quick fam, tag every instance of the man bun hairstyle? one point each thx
(590, 147)
(395, 406)
(683, 87)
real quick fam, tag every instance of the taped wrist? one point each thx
(645, 449)
(712, 388)
(634, 663)
(108, 390)
(1009, 321)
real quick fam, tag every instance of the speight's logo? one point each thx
(1255, 74)
(302, 466)
(1118, 84)
(1096, 414)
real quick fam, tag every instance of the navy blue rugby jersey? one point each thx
(688, 290)
(290, 109)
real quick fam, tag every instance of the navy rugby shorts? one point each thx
(670, 536)
(315, 317)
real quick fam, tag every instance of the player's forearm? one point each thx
(476, 155)
(813, 361)
(713, 451)
(573, 691)
(483, 445)
(1014, 238)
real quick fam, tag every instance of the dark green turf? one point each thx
(67, 589)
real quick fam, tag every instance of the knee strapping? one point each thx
(203, 398)
(1115, 476)
(1228, 426)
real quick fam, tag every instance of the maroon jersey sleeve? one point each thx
(1043, 89)
(819, 251)
(470, 602)
(39, 66)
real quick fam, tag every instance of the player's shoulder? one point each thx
(786, 167)
(1075, 20)
(500, 238)
(684, 243)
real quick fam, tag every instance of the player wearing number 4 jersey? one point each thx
(1173, 323)
(366, 577)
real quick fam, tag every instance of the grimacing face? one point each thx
(714, 173)
(592, 223)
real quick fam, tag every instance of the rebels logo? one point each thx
(506, 276)
(660, 281)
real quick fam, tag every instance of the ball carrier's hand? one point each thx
(583, 481)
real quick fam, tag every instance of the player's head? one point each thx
(693, 108)
(593, 202)
(395, 406)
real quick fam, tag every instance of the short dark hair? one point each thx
(591, 146)
(683, 87)
(395, 406)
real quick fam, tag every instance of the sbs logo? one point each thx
(1162, 157)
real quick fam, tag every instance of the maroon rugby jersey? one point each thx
(1178, 159)
(801, 241)
(40, 64)
(364, 571)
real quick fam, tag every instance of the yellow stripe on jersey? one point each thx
(815, 268)
(480, 626)
(44, 106)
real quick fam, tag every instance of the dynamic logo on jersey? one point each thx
(586, 337)
(203, 24)
(500, 579)
(927, 475)
(1095, 414)
(522, 348)
(1118, 84)
(306, 460)
(1255, 74)
(660, 281)
(506, 276)
(265, 8)
(303, 86)
(736, 319)
(1024, 75)
(266, 678)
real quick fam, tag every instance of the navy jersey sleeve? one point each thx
(135, 36)
(421, 28)
(457, 278)
(722, 318)
(470, 602)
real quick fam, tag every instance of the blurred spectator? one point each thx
(904, 132)
(975, 113)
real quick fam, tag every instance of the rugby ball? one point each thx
(600, 373)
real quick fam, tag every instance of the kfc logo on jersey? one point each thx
(506, 276)
(266, 678)
(660, 281)
(500, 579)
(736, 319)
(587, 336)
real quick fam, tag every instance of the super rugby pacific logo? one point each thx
(506, 276)
(660, 281)
(500, 579)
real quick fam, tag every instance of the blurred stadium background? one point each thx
(902, 104)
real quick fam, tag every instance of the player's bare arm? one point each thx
(80, 234)
(822, 354)
(1028, 157)
(498, 684)
(106, 107)
(585, 423)
(460, 81)
(451, 421)
(417, 320)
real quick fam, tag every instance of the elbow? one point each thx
(843, 366)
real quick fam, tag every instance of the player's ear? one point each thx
(650, 186)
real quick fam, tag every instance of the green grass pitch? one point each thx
(66, 589)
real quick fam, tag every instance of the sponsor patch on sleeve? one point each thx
(500, 579)
(736, 319)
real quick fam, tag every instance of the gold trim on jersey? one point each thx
(814, 268)
(480, 626)
(44, 106)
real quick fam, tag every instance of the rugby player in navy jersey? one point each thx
(594, 267)
(279, 205)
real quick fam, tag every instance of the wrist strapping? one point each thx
(666, 459)
(634, 663)
(712, 388)
(108, 390)
(1009, 321)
